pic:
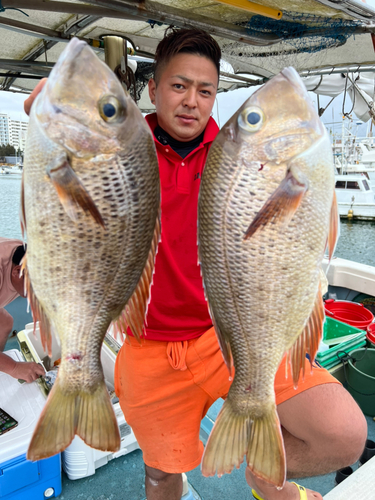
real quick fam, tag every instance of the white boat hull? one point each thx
(364, 211)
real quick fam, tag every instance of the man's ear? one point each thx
(152, 90)
(16, 271)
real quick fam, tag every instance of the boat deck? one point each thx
(123, 477)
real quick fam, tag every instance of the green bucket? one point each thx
(360, 378)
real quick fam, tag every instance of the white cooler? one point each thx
(80, 460)
(21, 479)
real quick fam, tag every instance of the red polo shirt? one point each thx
(178, 309)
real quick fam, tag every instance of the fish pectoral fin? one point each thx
(235, 435)
(90, 415)
(334, 227)
(134, 313)
(70, 190)
(37, 311)
(282, 204)
(308, 341)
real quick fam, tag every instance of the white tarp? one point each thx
(359, 89)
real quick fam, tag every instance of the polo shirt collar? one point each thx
(210, 132)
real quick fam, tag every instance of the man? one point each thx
(11, 287)
(166, 386)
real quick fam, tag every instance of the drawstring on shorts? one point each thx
(176, 353)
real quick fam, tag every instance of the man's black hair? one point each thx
(185, 41)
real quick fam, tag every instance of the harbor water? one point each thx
(357, 238)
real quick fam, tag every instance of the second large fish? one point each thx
(266, 210)
(91, 201)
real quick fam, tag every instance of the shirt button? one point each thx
(183, 164)
(166, 150)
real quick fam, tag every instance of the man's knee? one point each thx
(156, 474)
(351, 432)
(347, 431)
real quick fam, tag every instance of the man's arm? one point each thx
(6, 325)
(22, 370)
(28, 371)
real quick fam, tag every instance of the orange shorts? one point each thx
(166, 388)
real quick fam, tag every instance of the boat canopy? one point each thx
(258, 39)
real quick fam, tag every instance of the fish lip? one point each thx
(291, 75)
(70, 53)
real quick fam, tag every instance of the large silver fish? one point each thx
(91, 202)
(266, 210)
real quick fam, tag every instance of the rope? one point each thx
(343, 103)
(3, 9)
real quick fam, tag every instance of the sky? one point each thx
(12, 103)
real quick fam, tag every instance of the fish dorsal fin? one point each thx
(333, 227)
(37, 311)
(134, 313)
(308, 341)
(70, 190)
(22, 208)
(281, 205)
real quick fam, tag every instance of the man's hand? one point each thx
(28, 102)
(28, 371)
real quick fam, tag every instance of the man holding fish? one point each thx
(11, 287)
(166, 384)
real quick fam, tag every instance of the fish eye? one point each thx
(110, 109)
(251, 119)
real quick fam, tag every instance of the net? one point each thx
(302, 32)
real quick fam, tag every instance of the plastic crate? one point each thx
(336, 332)
(338, 338)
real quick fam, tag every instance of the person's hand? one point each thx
(28, 371)
(28, 102)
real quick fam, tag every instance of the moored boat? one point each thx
(355, 196)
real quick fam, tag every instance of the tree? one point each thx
(7, 150)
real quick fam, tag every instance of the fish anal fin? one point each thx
(89, 415)
(281, 205)
(224, 344)
(259, 437)
(308, 341)
(134, 313)
(70, 190)
(333, 227)
(37, 310)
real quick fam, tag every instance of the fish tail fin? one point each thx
(90, 415)
(227, 443)
(235, 435)
(266, 453)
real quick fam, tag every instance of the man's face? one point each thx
(185, 95)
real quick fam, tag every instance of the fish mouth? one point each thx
(70, 53)
(294, 79)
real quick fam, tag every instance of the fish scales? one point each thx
(263, 289)
(81, 273)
